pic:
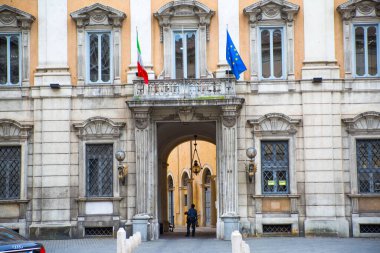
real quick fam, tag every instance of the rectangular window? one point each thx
(99, 170)
(10, 59)
(275, 167)
(10, 172)
(368, 165)
(366, 50)
(271, 51)
(185, 60)
(99, 57)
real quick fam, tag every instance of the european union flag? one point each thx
(233, 58)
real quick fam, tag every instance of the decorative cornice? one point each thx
(275, 123)
(359, 8)
(13, 17)
(11, 130)
(98, 14)
(98, 128)
(271, 10)
(367, 122)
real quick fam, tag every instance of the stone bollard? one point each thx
(121, 234)
(236, 241)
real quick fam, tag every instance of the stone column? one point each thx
(146, 191)
(228, 14)
(52, 43)
(319, 40)
(141, 20)
(228, 172)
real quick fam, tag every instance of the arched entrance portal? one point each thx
(161, 125)
(189, 187)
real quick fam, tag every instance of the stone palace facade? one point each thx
(309, 103)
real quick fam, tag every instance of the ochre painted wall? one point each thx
(31, 7)
(179, 161)
(338, 28)
(123, 6)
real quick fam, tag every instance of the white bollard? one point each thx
(236, 240)
(138, 235)
(121, 234)
(128, 246)
(245, 247)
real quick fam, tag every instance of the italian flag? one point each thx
(141, 72)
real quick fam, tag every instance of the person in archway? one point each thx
(192, 217)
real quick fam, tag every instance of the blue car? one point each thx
(10, 241)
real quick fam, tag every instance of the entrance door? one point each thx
(208, 205)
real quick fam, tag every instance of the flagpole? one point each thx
(228, 71)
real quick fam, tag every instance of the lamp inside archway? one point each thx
(197, 166)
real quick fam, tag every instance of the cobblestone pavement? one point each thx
(177, 243)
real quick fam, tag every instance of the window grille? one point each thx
(98, 231)
(369, 228)
(10, 60)
(10, 172)
(281, 229)
(275, 166)
(368, 165)
(99, 170)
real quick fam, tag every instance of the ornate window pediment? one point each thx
(12, 17)
(367, 122)
(359, 8)
(271, 10)
(99, 128)
(98, 28)
(98, 14)
(189, 21)
(11, 130)
(275, 123)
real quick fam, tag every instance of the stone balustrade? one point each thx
(185, 89)
(127, 245)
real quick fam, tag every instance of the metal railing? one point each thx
(185, 88)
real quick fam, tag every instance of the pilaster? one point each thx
(141, 22)
(319, 20)
(228, 15)
(52, 43)
(228, 172)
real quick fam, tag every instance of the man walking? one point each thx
(192, 217)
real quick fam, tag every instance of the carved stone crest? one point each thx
(98, 14)
(273, 123)
(359, 8)
(99, 127)
(186, 114)
(13, 17)
(364, 122)
(271, 10)
(13, 130)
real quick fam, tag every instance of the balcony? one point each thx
(173, 89)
